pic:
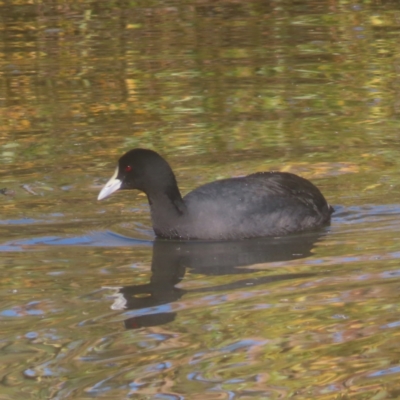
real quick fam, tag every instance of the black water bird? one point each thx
(257, 205)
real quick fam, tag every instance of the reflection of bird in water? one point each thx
(172, 258)
(257, 205)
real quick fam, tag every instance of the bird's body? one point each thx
(260, 204)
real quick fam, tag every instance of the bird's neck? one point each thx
(167, 211)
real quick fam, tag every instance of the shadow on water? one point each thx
(171, 260)
(150, 304)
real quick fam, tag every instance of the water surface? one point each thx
(91, 306)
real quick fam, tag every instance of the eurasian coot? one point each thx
(260, 204)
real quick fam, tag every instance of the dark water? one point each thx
(91, 306)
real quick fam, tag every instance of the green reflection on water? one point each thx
(221, 89)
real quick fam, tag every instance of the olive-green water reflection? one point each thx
(171, 259)
(221, 89)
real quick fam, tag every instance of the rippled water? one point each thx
(92, 306)
(306, 316)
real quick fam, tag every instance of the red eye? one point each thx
(128, 168)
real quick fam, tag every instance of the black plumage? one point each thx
(260, 204)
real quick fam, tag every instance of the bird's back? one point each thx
(261, 204)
